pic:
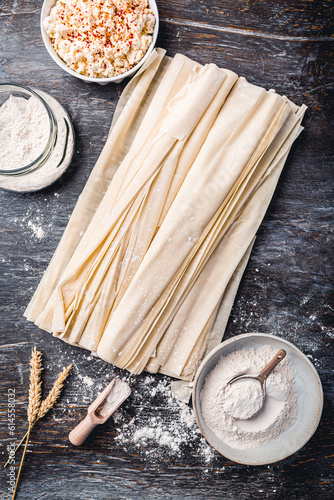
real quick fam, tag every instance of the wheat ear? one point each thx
(35, 387)
(54, 393)
(47, 404)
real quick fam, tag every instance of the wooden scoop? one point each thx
(100, 410)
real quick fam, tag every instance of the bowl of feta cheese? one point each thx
(100, 41)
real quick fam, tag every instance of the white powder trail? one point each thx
(147, 432)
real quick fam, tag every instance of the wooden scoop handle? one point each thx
(271, 365)
(78, 435)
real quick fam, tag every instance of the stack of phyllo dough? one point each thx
(160, 236)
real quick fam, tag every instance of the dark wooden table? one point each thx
(286, 289)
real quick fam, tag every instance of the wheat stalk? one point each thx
(22, 459)
(35, 387)
(45, 405)
(35, 394)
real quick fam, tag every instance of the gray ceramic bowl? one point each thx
(47, 6)
(309, 401)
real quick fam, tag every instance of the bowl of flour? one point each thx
(290, 412)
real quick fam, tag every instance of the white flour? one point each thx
(279, 406)
(59, 159)
(243, 399)
(119, 392)
(24, 131)
(37, 230)
(160, 434)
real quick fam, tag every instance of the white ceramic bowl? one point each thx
(47, 6)
(309, 401)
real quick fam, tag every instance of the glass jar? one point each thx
(57, 143)
(9, 89)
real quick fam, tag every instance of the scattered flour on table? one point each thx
(39, 221)
(172, 427)
(150, 423)
(37, 230)
(151, 420)
(87, 381)
(247, 318)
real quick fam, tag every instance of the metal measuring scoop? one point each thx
(261, 378)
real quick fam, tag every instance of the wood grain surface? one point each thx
(287, 288)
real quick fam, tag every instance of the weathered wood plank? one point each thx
(272, 19)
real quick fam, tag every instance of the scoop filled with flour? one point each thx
(243, 399)
(228, 413)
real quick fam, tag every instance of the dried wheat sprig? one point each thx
(54, 393)
(35, 387)
(47, 403)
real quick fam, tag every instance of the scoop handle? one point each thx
(78, 435)
(271, 365)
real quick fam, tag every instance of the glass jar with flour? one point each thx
(36, 138)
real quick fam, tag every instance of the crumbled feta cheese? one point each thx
(100, 38)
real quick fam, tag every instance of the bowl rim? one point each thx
(213, 352)
(89, 79)
(44, 155)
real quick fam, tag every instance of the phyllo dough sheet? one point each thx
(161, 234)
